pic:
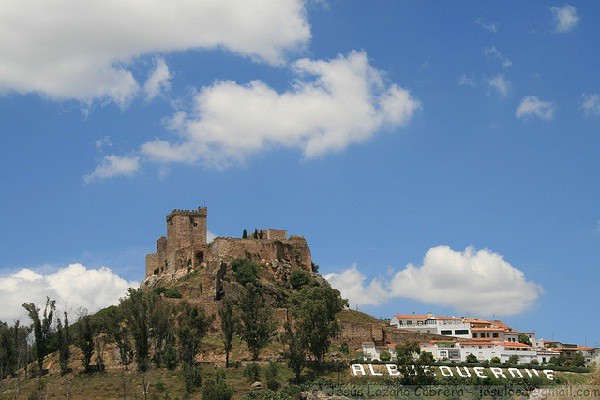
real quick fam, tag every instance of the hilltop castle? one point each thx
(185, 248)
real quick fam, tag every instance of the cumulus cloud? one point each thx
(74, 286)
(69, 49)
(565, 18)
(353, 286)
(471, 281)
(533, 106)
(159, 79)
(488, 26)
(112, 166)
(590, 104)
(330, 105)
(500, 84)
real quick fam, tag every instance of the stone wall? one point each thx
(294, 250)
(355, 333)
(276, 234)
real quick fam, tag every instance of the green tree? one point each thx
(523, 338)
(426, 358)
(14, 349)
(472, 359)
(245, 271)
(138, 307)
(495, 360)
(64, 340)
(385, 356)
(193, 325)
(162, 322)
(412, 366)
(255, 234)
(229, 326)
(513, 360)
(316, 309)
(295, 352)
(257, 320)
(86, 331)
(118, 330)
(558, 361)
(578, 360)
(299, 278)
(245, 234)
(314, 267)
(42, 329)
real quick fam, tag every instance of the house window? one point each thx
(474, 335)
(461, 332)
(495, 334)
(446, 332)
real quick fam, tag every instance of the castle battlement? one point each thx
(201, 212)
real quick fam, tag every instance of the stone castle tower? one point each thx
(184, 245)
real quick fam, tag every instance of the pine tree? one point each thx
(245, 234)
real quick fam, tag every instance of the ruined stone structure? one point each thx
(185, 249)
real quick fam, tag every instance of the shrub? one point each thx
(495, 360)
(160, 289)
(271, 373)
(472, 359)
(299, 278)
(173, 293)
(385, 356)
(252, 372)
(245, 271)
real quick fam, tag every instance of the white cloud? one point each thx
(478, 282)
(590, 104)
(464, 80)
(500, 84)
(210, 236)
(331, 104)
(353, 286)
(102, 143)
(74, 286)
(67, 49)
(159, 79)
(565, 18)
(112, 166)
(495, 54)
(492, 27)
(531, 105)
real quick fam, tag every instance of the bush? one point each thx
(216, 390)
(159, 290)
(271, 373)
(252, 372)
(495, 360)
(385, 356)
(173, 293)
(472, 359)
(245, 271)
(299, 278)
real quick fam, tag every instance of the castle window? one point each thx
(195, 224)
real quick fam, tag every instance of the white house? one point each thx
(447, 326)
(371, 352)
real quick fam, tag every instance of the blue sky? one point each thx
(460, 139)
